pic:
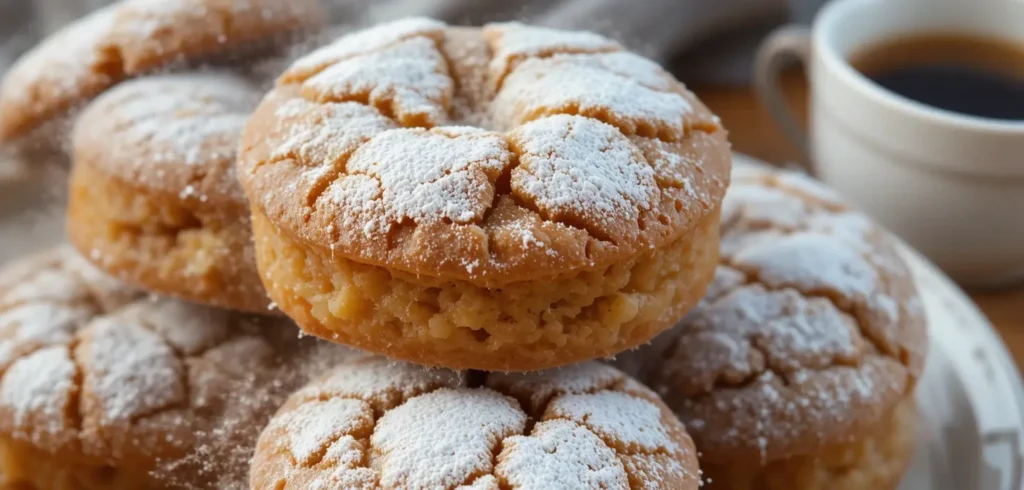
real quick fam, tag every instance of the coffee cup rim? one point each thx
(826, 21)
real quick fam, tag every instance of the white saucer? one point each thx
(971, 396)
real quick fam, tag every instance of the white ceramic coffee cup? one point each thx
(950, 184)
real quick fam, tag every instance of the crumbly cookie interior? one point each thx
(529, 325)
(153, 240)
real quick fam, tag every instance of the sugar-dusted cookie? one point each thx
(154, 199)
(797, 371)
(506, 198)
(376, 424)
(105, 388)
(133, 37)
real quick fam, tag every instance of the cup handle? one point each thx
(781, 47)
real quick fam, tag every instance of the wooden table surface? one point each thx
(752, 131)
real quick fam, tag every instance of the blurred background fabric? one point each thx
(702, 41)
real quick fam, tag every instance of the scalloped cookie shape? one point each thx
(806, 349)
(577, 86)
(373, 423)
(111, 384)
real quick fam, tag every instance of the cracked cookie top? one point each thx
(489, 155)
(374, 423)
(103, 375)
(811, 332)
(133, 37)
(175, 135)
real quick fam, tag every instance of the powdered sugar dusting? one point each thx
(424, 443)
(620, 419)
(512, 42)
(360, 197)
(132, 380)
(35, 325)
(190, 118)
(293, 108)
(534, 390)
(381, 383)
(752, 328)
(763, 207)
(579, 170)
(389, 200)
(643, 70)
(566, 85)
(108, 293)
(190, 139)
(486, 482)
(805, 337)
(673, 166)
(53, 285)
(410, 79)
(147, 18)
(810, 262)
(313, 426)
(346, 455)
(806, 185)
(38, 389)
(323, 136)
(362, 42)
(560, 454)
(427, 175)
(134, 372)
(187, 327)
(446, 436)
(63, 62)
(854, 229)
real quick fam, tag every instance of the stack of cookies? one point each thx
(523, 228)
(122, 366)
(491, 201)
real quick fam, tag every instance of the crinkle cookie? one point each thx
(154, 198)
(133, 37)
(104, 388)
(376, 424)
(797, 371)
(508, 198)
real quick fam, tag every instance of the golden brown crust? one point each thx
(60, 72)
(98, 375)
(154, 197)
(131, 38)
(877, 459)
(171, 135)
(150, 34)
(28, 468)
(376, 424)
(810, 335)
(625, 161)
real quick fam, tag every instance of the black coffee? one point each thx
(970, 75)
